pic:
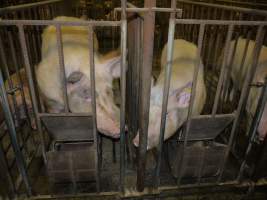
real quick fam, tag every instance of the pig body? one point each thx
(238, 75)
(179, 93)
(77, 73)
(77, 35)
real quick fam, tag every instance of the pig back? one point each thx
(70, 34)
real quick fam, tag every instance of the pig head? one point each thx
(238, 74)
(179, 94)
(78, 84)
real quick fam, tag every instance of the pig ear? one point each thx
(179, 99)
(114, 66)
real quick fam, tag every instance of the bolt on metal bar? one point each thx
(167, 81)
(244, 95)
(62, 67)
(93, 104)
(254, 126)
(123, 93)
(223, 70)
(148, 45)
(31, 87)
(192, 98)
(13, 135)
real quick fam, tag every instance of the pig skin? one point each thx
(184, 59)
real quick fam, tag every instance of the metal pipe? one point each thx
(224, 7)
(223, 70)
(167, 81)
(244, 95)
(27, 6)
(192, 98)
(148, 41)
(93, 104)
(123, 93)
(53, 22)
(254, 126)
(151, 9)
(62, 68)
(31, 87)
(13, 136)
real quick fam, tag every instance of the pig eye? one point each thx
(74, 77)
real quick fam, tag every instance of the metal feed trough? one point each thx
(65, 155)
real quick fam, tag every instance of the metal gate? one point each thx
(177, 164)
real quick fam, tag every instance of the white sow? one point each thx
(238, 75)
(77, 73)
(184, 59)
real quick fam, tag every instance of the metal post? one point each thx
(149, 27)
(92, 80)
(167, 80)
(123, 93)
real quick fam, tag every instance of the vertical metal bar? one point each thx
(93, 104)
(244, 95)
(13, 136)
(192, 98)
(31, 87)
(167, 81)
(254, 126)
(149, 27)
(4, 172)
(223, 70)
(123, 93)
(15, 62)
(62, 67)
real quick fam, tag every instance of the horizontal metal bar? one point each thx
(64, 114)
(27, 6)
(217, 116)
(220, 22)
(53, 22)
(153, 9)
(163, 191)
(234, 8)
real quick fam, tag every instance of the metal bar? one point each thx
(26, 6)
(123, 93)
(62, 68)
(148, 45)
(224, 7)
(6, 173)
(13, 136)
(150, 9)
(31, 87)
(167, 81)
(244, 95)
(53, 22)
(93, 104)
(15, 62)
(220, 22)
(192, 98)
(254, 126)
(223, 70)
(65, 114)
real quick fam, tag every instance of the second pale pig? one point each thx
(184, 60)
(238, 75)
